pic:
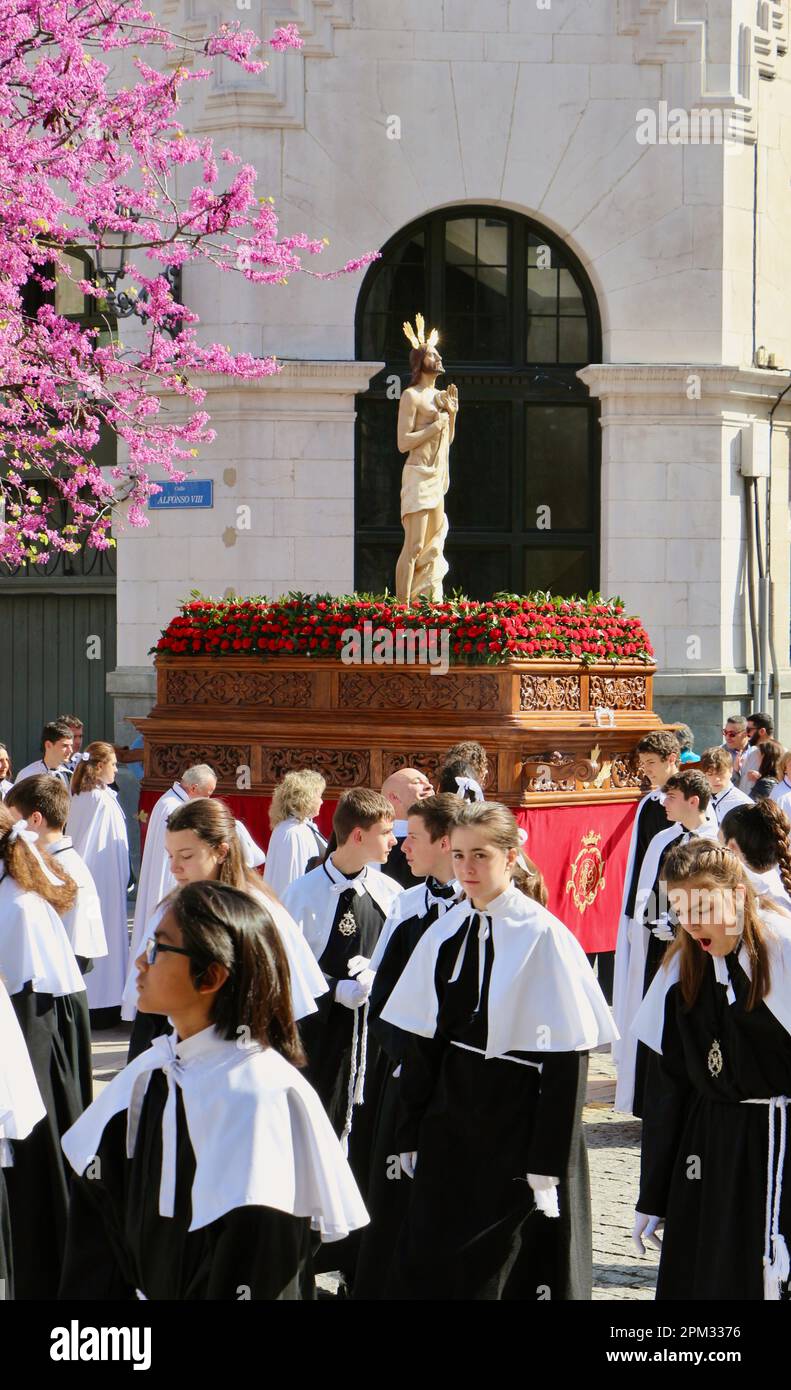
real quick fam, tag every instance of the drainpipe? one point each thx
(776, 700)
(749, 486)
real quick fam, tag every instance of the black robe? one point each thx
(704, 1155)
(327, 1037)
(74, 1025)
(388, 1189)
(145, 1028)
(118, 1243)
(479, 1127)
(38, 1183)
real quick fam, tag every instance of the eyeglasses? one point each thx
(153, 948)
(734, 733)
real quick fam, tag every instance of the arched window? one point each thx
(517, 318)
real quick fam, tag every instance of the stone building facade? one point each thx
(647, 144)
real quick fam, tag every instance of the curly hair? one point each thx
(23, 864)
(295, 796)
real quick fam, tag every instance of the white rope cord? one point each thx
(360, 1086)
(347, 1124)
(776, 1260)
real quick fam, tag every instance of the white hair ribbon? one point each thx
(522, 833)
(19, 831)
(469, 784)
(86, 757)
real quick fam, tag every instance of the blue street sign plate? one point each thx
(191, 494)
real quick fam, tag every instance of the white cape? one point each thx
(313, 899)
(769, 884)
(543, 994)
(155, 880)
(292, 845)
(34, 947)
(258, 1130)
(97, 826)
(83, 923)
(21, 1106)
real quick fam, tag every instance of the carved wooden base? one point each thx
(254, 721)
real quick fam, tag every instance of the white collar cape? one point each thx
(307, 981)
(34, 947)
(21, 1106)
(83, 923)
(543, 994)
(259, 1133)
(412, 902)
(649, 1021)
(768, 884)
(312, 899)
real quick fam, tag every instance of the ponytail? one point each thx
(85, 777)
(24, 865)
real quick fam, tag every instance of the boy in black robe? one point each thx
(427, 850)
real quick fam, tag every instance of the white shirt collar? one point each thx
(341, 880)
(180, 792)
(501, 906)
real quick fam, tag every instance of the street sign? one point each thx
(191, 494)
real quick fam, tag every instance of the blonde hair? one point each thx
(24, 866)
(85, 777)
(529, 879)
(295, 796)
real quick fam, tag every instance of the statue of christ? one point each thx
(426, 428)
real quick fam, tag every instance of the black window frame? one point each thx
(513, 380)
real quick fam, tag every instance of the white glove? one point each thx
(408, 1162)
(545, 1192)
(646, 1226)
(357, 963)
(662, 930)
(350, 994)
(358, 968)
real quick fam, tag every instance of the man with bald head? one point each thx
(403, 789)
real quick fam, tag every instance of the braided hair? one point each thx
(763, 833)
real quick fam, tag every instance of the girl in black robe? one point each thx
(502, 1007)
(718, 1021)
(41, 974)
(205, 1165)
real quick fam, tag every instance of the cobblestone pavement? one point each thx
(613, 1152)
(613, 1142)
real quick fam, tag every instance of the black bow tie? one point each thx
(440, 890)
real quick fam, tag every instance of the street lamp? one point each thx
(110, 261)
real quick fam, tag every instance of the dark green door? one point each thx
(57, 648)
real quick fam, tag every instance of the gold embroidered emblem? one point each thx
(586, 872)
(347, 925)
(715, 1058)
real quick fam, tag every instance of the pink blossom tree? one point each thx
(85, 158)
